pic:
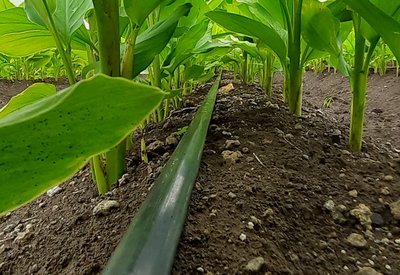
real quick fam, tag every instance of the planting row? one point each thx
(130, 62)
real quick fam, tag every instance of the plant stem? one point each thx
(107, 17)
(59, 45)
(98, 175)
(295, 68)
(359, 78)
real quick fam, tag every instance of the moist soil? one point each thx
(271, 186)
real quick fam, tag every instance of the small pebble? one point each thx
(242, 237)
(232, 195)
(353, 193)
(250, 225)
(53, 191)
(200, 269)
(388, 178)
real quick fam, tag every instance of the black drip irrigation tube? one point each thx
(149, 245)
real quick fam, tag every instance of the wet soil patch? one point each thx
(275, 193)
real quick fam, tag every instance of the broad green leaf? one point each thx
(138, 10)
(321, 31)
(68, 16)
(44, 143)
(5, 5)
(21, 37)
(185, 46)
(38, 12)
(390, 7)
(153, 41)
(250, 27)
(386, 26)
(32, 94)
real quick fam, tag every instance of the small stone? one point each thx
(123, 179)
(353, 193)
(255, 264)
(377, 219)
(230, 157)
(155, 146)
(341, 208)
(42, 204)
(388, 267)
(53, 191)
(363, 214)
(305, 157)
(395, 209)
(385, 241)
(298, 126)
(255, 220)
(329, 205)
(172, 139)
(397, 241)
(2, 249)
(367, 270)
(245, 150)
(231, 143)
(388, 178)
(269, 212)
(232, 195)
(250, 225)
(385, 191)
(226, 133)
(200, 269)
(371, 262)
(342, 175)
(357, 240)
(104, 207)
(242, 237)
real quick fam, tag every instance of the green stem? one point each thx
(245, 67)
(107, 17)
(59, 45)
(129, 54)
(358, 85)
(295, 68)
(359, 78)
(98, 175)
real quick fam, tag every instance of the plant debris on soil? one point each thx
(276, 194)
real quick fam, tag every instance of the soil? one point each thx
(288, 198)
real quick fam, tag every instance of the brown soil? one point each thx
(289, 168)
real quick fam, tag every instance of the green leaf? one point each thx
(32, 94)
(21, 37)
(5, 5)
(138, 10)
(44, 143)
(386, 26)
(151, 42)
(185, 46)
(68, 16)
(250, 27)
(321, 31)
(37, 11)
